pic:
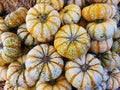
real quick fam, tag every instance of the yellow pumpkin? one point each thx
(101, 30)
(43, 64)
(70, 14)
(3, 73)
(10, 48)
(72, 41)
(56, 4)
(16, 18)
(98, 11)
(101, 46)
(1, 8)
(25, 36)
(42, 21)
(84, 73)
(57, 84)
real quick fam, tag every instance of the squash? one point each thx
(101, 46)
(57, 84)
(3, 27)
(112, 79)
(1, 8)
(72, 41)
(98, 11)
(43, 64)
(42, 21)
(16, 18)
(102, 30)
(25, 36)
(70, 14)
(10, 48)
(3, 73)
(84, 73)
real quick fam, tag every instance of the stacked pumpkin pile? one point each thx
(60, 45)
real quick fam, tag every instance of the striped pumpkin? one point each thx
(42, 22)
(25, 36)
(3, 73)
(43, 63)
(70, 14)
(112, 78)
(3, 27)
(57, 84)
(72, 41)
(84, 73)
(1, 8)
(98, 11)
(101, 46)
(10, 47)
(16, 18)
(102, 30)
(80, 3)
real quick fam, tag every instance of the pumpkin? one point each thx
(16, 18)
(25, 36)
(70, 14)
(117, 17)
(101, 46)
(43, 64)
(98, 11)
(112, 78)
(101, 86)
(1, 8)
(3, 73)
(102, 30)
(56, 4)
(10, 48)
(42, 21)
(84, 73)
(57, 84)
(3, 27)
(72, 41)
(80, 3)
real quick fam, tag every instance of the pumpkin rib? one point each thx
(73, 67)
(96, 71)
(77, 49)
(91, 60)
(104, 30)
(52, 22)
(48, 26)
(57, 64)
(82, 80)
(25, 81)
(50, 70)
(63, 86)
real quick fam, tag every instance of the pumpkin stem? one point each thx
(46, 59)
(73, 38)
(85, 67)
(23, 66)
(109, 72)
(52, 82)
(1, 45)
(65, 11)
(43, 18)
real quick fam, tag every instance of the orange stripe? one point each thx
(20, 17)
(33, 14)
(112, 84)
(77, 49)
(53, 16)
(92, 80)
(61, 66)
(93, 31)
(97, 47)
(49, 70)
(81, 86)
(107, 45)
(96, 71)
(53, 23)
(61, 44)
(92, 59)
(34, 8)
(89, 13)
(72, 18)
(45, 87)
(66, 88)
(49, 28)
(72, 67)
(59, 4)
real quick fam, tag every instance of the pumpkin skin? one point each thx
(1, 8)
(16, 18)
(98, 11)
(58, 84)
(70, 14)
(101, 46)
(45, 62)
(42, 21)
(25, 36)
(102, 30)
(72, 41)
(10, 48)
(3, 73)
(84, 73)
(101, 86)
(112, 78)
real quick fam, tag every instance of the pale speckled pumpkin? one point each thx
(101, 46)
(70, 14)
(43, 22)
(72, 41)
(43, 63)
(10, 48)
(98, 11)
(16, 18)
(102, 30)
(1, 8)
(112, 79)
(57, 84)
(56, 4)
(25, 36)
(3, 73)
(84, 73)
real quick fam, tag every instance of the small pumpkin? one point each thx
(1, 8)
(57, 84)
(101, 46)
(101, 30)
(43, 64)
(98, 11)
(16, 18)
(84, 73)
(56, 4)
(72, 41)
(70, 14)
(42, 21)
(25, 36)
(10, 48)
(3, 73)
